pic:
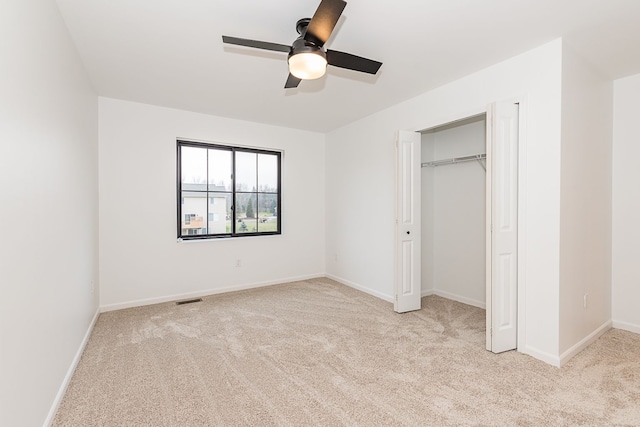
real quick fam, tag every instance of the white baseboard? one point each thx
(424, 293)
(203, 293)
(541, 355)
(361, 288)
(72, 368)
(584, 343)
(618, 324)
(464, 300)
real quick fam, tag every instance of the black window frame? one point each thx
(234, 222)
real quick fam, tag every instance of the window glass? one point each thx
(220, 213)
(194, 212)
(267, 212)
(246, 176)
(219, 170)
(194, 165)
(267, 173)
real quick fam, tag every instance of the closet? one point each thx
(453, 218)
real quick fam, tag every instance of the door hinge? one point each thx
(396, 297)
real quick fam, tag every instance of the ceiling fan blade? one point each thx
(352, 62)
(256, 43)
(292, 81)
(324, 20)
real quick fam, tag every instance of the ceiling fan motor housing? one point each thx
(305, 46)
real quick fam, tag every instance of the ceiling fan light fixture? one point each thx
(308, 65)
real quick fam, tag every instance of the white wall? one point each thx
(626, 204)
(361, 176)
(585, 209)
(453, 214)
(48, 210)
(140, 260)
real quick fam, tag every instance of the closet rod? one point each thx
(453, 160)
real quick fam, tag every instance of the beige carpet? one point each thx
(320, 353)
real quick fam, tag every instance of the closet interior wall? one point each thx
(453, 213)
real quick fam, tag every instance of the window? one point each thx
(226, 191)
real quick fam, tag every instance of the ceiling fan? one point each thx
(307, 59)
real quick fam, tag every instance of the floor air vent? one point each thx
(188, 301)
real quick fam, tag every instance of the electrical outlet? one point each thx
(238, 263)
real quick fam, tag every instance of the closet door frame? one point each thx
(521, 186)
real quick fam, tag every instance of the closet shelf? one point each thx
(473, 158)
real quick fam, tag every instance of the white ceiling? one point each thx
(170, 52)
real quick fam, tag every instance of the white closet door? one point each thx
(408, 259)
(502, 242)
